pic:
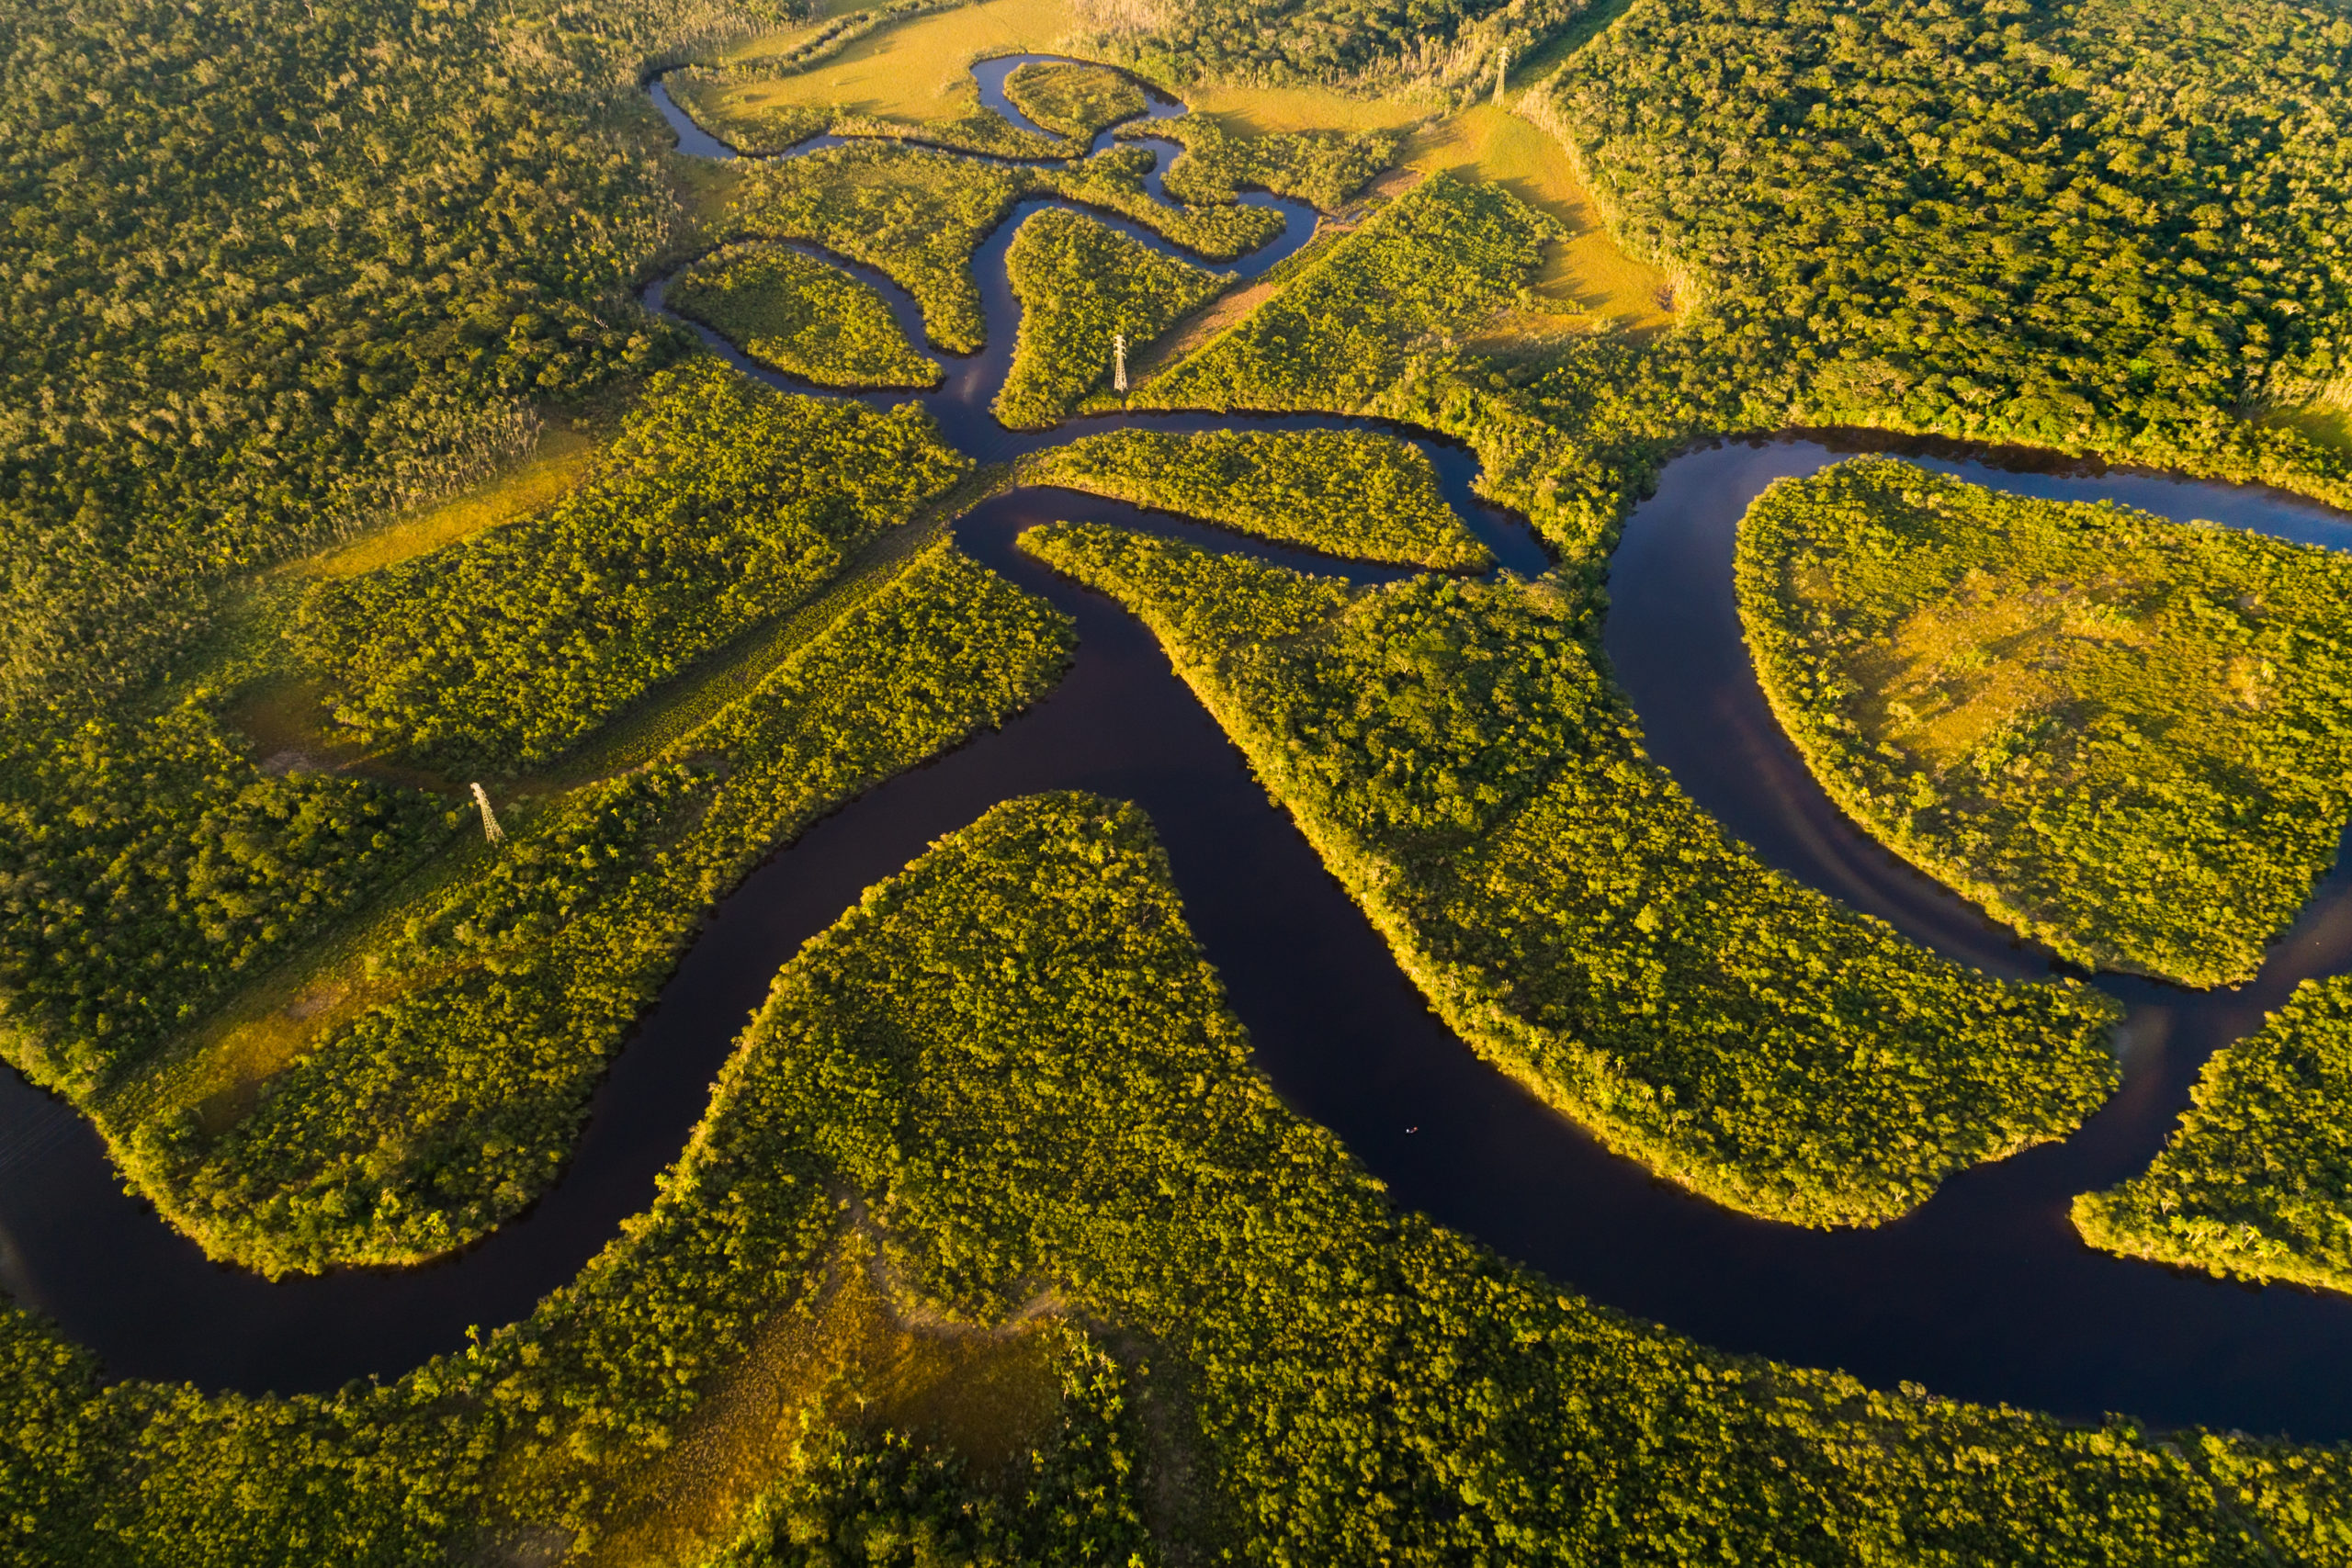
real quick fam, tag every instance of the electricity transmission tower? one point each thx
(1118, 362)
(490, 828)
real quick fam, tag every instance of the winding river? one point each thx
(1985, 1292)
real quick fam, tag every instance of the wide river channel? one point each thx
(1985, 1293)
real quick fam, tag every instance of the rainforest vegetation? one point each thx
(798, 315)
(1345, 492)
(2121, 226)
(1445, 48)
(2256, 1179)
(1460, 765)
(274, 270)
(1323, 167)
(280, 271)
(146, 870)
(1081, 285)
(449, 1096)
(1014, 1057)
(721, 505)
(919, 215)
(2126, 738)
(1439, 259)
(1073, 100)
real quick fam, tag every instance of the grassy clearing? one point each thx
(1587, 282)
(917, 71)
(1266, 111)
(2125, 736)
(1565, 45)
(563, 456)
(2256, 1181)
(850, 1358)
(2326, 419)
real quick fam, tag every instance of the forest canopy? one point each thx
(1438, 261)
(277, 269)
(800, 315)
(1354, 493)
(721, 505)
(1455, 757)
(2124, 737)
(1015, 1055)
(1085, 289)
(1450, 46)
(2256, 1179)
(2117, 225)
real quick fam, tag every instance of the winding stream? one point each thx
(1984, 1293)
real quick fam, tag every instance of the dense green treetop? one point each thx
(2110, 225)
(720, 505)
(1346, 492)
(800, 315)
(2257, 1181)
(1014, 1054)
(144, 870)
(443, 1095)
(2125, 736)
(1438, 261)
(1324, 167)
(1460, 764)
(272, 267)
(1075, 100)
(1081, 287)
(1445, 46)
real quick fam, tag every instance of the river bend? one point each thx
(1985, 1292)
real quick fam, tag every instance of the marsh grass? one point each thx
(562, 458)
(2325, 418)
(915, 71)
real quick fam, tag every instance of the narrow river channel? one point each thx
(1984, 1293)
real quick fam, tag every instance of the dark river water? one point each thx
(1985, 1293)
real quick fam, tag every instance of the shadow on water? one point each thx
(1984, 1293)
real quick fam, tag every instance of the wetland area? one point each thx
(788, 783)
(1985, 1293)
